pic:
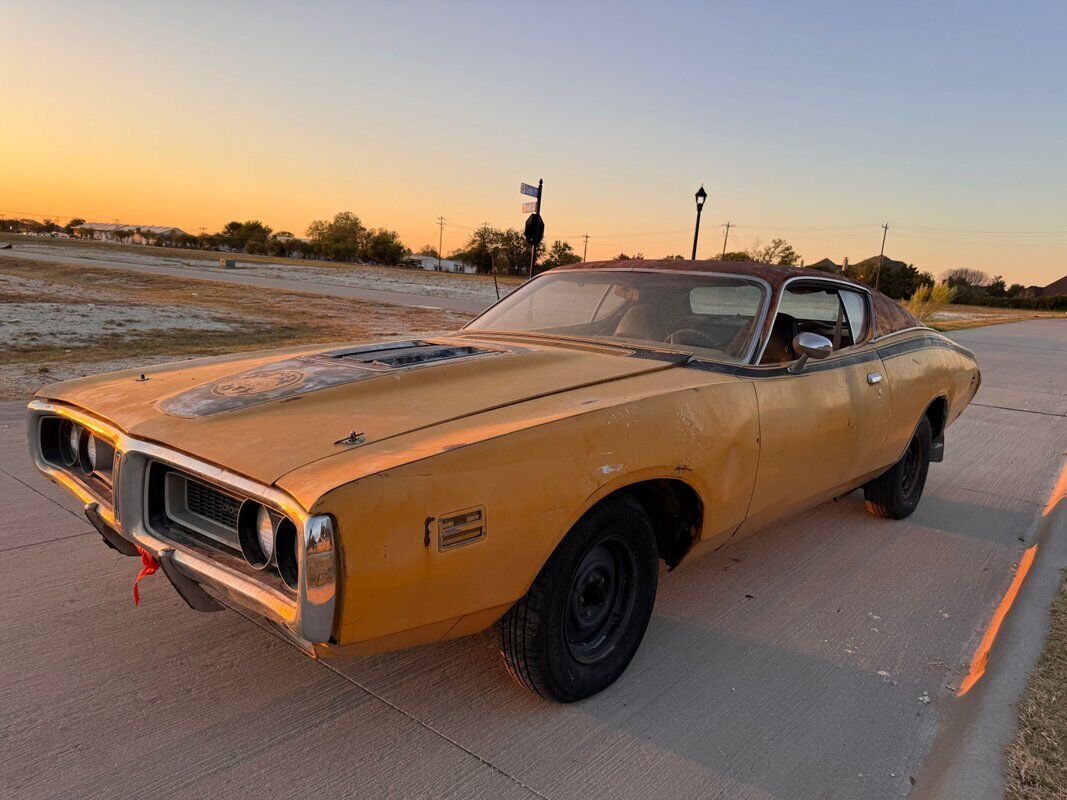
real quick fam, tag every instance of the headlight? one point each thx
(261, 531)
(69, 442)
(265, 533)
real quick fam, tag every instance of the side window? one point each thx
(836, 313)
(856, 311)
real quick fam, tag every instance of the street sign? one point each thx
(535, 230)
(529, 208)
(527, 189)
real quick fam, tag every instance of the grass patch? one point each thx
(1037, 758)
(178, 342)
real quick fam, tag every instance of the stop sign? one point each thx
(535, 229)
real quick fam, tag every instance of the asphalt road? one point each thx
(239, 278)
(796, 664)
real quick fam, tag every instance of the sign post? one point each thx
(535, 226)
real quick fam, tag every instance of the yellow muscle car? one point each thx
(530, 470)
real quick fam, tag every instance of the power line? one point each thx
(726, 238)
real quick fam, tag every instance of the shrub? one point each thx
(928, 300)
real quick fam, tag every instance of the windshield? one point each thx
(708, 313)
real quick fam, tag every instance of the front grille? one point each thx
(205, 501)
(189, 511)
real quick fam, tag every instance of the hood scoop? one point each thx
(293, 376)
(395, 355)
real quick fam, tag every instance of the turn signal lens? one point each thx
(287, 557)
(90, 452)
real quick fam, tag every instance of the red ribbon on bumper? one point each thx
(149, 565)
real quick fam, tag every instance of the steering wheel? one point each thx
(693, 338)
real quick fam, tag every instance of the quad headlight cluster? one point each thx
(268, 537)
(83, 451)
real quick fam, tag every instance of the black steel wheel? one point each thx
(896, 493)
(583, 618)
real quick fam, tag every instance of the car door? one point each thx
(820, 428)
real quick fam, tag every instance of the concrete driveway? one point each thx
(817, 659)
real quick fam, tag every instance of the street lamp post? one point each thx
(701, 196)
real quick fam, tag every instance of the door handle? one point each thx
(874, 378)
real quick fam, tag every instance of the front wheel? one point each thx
(896, 493)
(583, 618)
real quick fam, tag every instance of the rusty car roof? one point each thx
(773, 274)
(889, 315)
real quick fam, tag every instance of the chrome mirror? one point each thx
(809, 345)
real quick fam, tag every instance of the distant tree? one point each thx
(560, 254)
(965, 277)
(490, 249)
(895, 278)
(383, 246)
(997, 287)
(634, 257)
(428, 250)
(736, 255)
(239, 235)
(339, 239)
(478, 252)
(1015, 290)
(970, 284)
(779, 252)
(74, 223)
(675, 258)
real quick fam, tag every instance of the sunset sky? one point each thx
(815, 121)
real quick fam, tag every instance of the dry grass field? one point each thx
(956, 318)
(60, 322)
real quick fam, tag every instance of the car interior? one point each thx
(838, 314)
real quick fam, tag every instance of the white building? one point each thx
(447, 265)
(117, 232)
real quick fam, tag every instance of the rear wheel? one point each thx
(583, 618)
(896, 493)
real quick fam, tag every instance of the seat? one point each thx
(643, 321)
(779, 349)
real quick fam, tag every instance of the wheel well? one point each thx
(937, 413)
(675, 511)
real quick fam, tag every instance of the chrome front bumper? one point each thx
(308, 618)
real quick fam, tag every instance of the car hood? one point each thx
(265, 414)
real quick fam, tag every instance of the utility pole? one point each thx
(585, 249)
(881, 257)
(440, 240)
(726, 238)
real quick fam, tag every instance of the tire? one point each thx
(896, 493)
(582, 620)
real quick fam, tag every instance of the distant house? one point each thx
(431, 263)
(117, 232)
(826, 265)
(1054, 289)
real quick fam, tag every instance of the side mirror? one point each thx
(809, 345)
